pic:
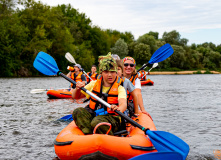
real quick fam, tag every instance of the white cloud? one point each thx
(142, 16)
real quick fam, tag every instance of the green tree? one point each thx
(120, 48)
(13, 37)
(174, 37)
(148, 40)
(84, 56)
(6, 7)
(193, 59)
(98, 40)
(212, 60)
(127, 37)
(131, 47)
(218, 48)
(142, 53)
(177, 59)
(154, 34)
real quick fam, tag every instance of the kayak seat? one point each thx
(122, 133)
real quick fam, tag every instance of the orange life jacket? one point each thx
(76, 78)
(142, 73)
(93, 76)
(110, 97)
(132, 79)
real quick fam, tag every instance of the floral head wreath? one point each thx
(129, 58)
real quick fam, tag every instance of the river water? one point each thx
(188, 106)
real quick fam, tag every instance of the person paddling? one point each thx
(77, 75)
(93, 74)
(107, 86)
(142, 75)
(131, 74)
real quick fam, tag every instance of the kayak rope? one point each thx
(102, 123)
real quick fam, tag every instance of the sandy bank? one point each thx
(180, 72)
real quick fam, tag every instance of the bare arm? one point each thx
(69, 75)
(76, 93)
(140, 100)
(122, 105)
(135, 101)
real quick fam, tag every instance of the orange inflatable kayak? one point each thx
(147, 82)
(71, 143)
(59, 94)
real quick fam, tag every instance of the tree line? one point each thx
(35, 27)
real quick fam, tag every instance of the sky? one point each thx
(198, 21)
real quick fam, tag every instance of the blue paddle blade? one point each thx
(161, 54)
(46, 64)
(159, 156)
(167, 142)
(67, 118)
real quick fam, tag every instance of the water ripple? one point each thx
(188, 106)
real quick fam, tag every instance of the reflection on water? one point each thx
(188, 106)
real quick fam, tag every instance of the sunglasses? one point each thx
(127, 64)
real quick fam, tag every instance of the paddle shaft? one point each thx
(87, 75)
(143, 67)
(147, 72)
(104, 103)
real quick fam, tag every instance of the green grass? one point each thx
(197, 72)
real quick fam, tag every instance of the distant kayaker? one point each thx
(130, 90)
(93, 74)
(131, 74)
(107, 86)
(77, 75)
(142, 75)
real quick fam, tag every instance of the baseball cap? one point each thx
(77, 65)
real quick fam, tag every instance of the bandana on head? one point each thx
(129, 58)
(107, 63)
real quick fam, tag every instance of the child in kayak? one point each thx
(93, 74)
(107, 87)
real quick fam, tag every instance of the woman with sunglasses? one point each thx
(132, 108)
(131, 74)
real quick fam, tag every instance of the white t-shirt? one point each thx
(137, 83)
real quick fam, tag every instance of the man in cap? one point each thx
(107, 86)
(77, 75)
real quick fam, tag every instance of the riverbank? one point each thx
(181, 72)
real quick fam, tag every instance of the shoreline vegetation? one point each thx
(56, 30)
(183, 72)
